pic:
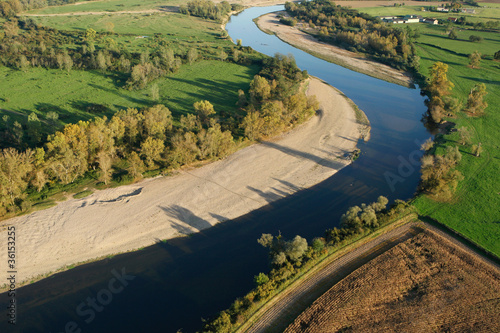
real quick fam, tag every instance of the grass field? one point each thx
(171, 26)
(108, 5)
(69, 95)
(474, 210)
(424, 284)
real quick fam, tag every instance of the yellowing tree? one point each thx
(204, 109)
(475, 102)
(439, 84)
(152, 149)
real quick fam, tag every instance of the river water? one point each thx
(174, 285)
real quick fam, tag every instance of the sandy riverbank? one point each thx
(293, 35)
(133, 216)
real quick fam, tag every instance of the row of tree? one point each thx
(440, 104)
(357, 31)
(288, 258)
(206, 9)
(10, 8)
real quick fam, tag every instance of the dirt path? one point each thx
(133, 216)
(298, 298)
(292, 35)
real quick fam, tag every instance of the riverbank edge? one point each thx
(334, 255)
(333, 59)
(363, 128)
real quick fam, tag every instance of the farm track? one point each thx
(300, 297)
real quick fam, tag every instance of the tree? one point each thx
(427, 145)
(475, 102)
(439, 85)
(204, 109)
(52, 117)
(465, 135)
(253, 124)
(259, 88)
(157, 121)
(474, 59)
(67, 62)
(24, 64)
(497, 55)
(261, 279)
(477, 149)
(136, 166)
(105, 161)
(14, 170)
(34, 128)
(90, 34)
(152, 149)
(453, 34)
(222, 55)
(101, 61)
(475, 39)
(192, 55)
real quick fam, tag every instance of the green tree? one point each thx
(261, 279)
(24, 64)
(474, 59)
(151, 150)
(475, 101)
(204, 109)
(136, 166)
(157, 121)
(14, 170)
(260, 89)
(90, 34)
(192, 55)
(465, 135)
(453, 34)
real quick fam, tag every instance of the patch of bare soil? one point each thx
(425, 284)
(302, 40)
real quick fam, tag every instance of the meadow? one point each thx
(71, 94)
(473, 211)
(108, 6)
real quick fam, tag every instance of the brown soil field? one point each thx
(425, 284)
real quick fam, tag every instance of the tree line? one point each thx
(288, 258)
(24, 44)
(133, 141)
(358, 32)
(208, 9)
(10, 8)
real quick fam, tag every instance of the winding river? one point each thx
(175, 284)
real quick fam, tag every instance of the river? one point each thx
(174, 285)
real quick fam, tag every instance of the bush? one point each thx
(475, 39)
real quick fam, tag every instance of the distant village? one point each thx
(420, 19)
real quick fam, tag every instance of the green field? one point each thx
(171, 26)
(474, 210)
(69, 95)
(108, 5)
